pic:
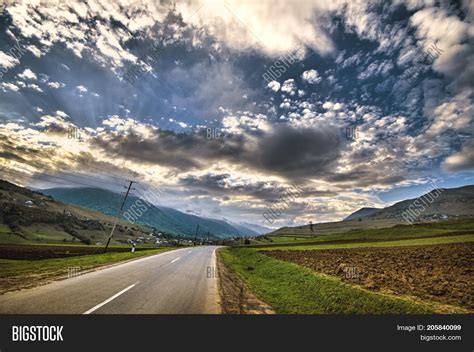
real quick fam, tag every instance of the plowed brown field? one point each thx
(440, 273)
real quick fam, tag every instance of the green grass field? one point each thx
(292, 289)
(464, 226)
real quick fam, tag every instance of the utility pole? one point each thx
(195, 237)
(207, 239)
(118, 216)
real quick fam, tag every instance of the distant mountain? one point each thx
(438, 204)
(241, 228)
(164, 219)
(362, 213)
(248, 228)
(261, 230)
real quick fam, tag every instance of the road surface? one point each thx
(174, 282)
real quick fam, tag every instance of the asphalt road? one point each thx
(174, 282)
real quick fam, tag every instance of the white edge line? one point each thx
(110, 299)
(174, 260)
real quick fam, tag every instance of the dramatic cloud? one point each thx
(227, 104)
(464, 160)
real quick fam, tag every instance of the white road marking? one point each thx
(189, 251)
(174, 260)
(109, 299)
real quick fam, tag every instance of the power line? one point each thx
(100, 169)
(195, 237)
(47, 180)
(143, 193)
(88, 177)
(35, 176)
(147, 190)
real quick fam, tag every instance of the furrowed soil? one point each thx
(442, 273)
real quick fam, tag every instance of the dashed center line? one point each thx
(174, 260)
(109, 299)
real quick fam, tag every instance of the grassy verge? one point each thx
(292, 289)
(16, 274)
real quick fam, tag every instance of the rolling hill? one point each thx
(362, 213)
(28, 216)
(436, 205)
(161, 218)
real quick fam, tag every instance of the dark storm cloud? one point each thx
(298, 152)
(184, 151)
(464, 160)
(11, 156)
(218, 184)
(56, 129)
(286, 151)
(14, 152)
(363, 177)
(268, 191)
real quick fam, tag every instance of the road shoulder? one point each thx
(235, 297)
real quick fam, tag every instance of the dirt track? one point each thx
(440, 273)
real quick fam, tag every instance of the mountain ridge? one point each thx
(162, 218)
(436, 205)
(362, 213)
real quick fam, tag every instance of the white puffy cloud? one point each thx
(34, 87)
(289, 86)
(81, 89)
(34, 50)
(28, 75)
(328, 105)
(56, 85)
(7, 61)
(311, 76)
(274, 85)
(286, 104)
(4, 86)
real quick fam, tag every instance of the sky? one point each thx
(226, 106)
